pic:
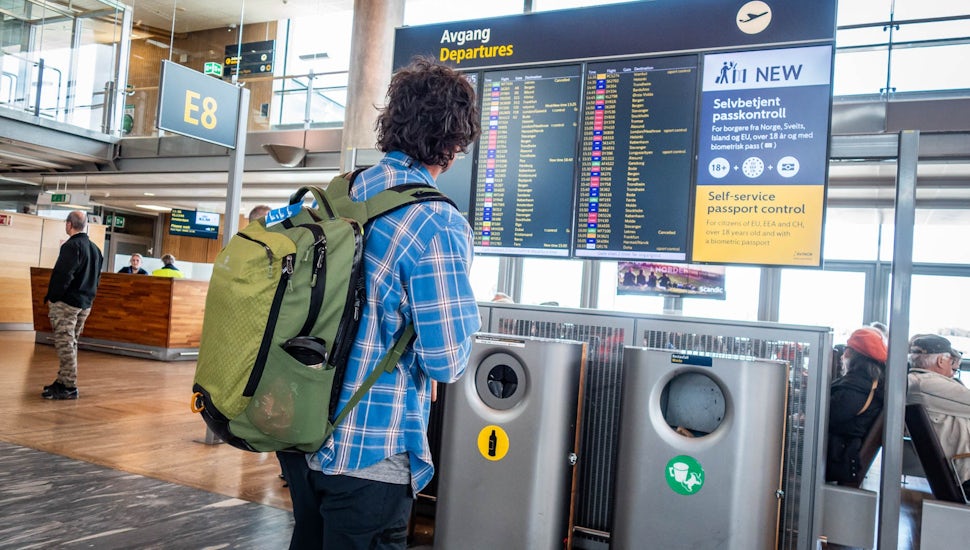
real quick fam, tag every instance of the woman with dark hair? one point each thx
(855, 403)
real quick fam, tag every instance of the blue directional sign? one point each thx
(197, 105)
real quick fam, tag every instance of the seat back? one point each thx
(939, 472)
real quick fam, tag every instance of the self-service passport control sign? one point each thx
(762, 156)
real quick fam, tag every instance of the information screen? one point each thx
(191, 223)
(636, 158)
(456, 182)
(526, 161)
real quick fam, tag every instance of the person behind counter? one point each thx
(134, 266)
(855, 403)
(169, 269)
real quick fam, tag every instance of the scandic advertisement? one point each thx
(763, 144)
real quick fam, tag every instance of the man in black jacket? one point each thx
(70, 294)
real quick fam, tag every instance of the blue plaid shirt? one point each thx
(416, 261)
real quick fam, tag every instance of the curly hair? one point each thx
(431, 113)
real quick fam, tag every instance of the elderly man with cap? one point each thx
(947, 402)
(855, 403)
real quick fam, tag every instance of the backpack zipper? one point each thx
(355, 294)
(269, 251)
(347, 331)
(257, 373)
(317, 290)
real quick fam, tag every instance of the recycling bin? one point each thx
(508, 444)
(699, 458)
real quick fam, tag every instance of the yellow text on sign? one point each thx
(493, 442)
(208, 107)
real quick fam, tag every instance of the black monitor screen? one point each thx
(191, 223)
(526, 161)
(635, 159)
(456, 182)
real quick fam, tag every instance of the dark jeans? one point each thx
(342, 512)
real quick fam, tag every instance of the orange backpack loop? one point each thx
(197, 405)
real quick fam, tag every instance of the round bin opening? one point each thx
(502, 381)
(692, 404)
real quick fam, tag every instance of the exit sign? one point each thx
(6, 219)
(58, 198)
(213, 68)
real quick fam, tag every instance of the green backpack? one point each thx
(281, 316)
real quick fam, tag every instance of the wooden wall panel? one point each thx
(54, 236)
(188, 308)
(20, 247)
(29, 241)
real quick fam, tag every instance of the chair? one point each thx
(939, 470)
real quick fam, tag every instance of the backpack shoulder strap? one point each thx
(400, 196)
(338, 195)
(387, 364)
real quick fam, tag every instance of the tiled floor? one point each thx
(49, 501)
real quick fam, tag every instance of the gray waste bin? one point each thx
(508, 437)
(699, 457)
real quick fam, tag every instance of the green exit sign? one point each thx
(58, 198)
(213, 68)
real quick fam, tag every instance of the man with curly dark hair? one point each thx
(356, 491)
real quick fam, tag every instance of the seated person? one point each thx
(933, 363)
(855, 403)
(169, 269)
(134, 266)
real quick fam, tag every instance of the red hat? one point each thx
(869, 342)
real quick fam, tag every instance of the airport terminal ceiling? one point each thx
(29, 166)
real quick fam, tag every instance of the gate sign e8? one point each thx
(197, 105)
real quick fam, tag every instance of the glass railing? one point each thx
(293, 102)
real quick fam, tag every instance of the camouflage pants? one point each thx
(67, 322)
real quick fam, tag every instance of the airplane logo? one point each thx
(754, 17)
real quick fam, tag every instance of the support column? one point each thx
(371, 55)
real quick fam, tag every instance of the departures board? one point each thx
(618, 144)
(523, 190)
(636, 154)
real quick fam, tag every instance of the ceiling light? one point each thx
(154, 207)
(157, 44)
(147, 194)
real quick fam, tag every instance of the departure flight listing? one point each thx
(526, 158)
(636, 159)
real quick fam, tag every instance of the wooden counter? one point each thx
(137, 315)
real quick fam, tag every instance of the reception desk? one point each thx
(136, 315)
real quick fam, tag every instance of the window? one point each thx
(546, 280)
(484, 277)
(823, 298)
(742, 287)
